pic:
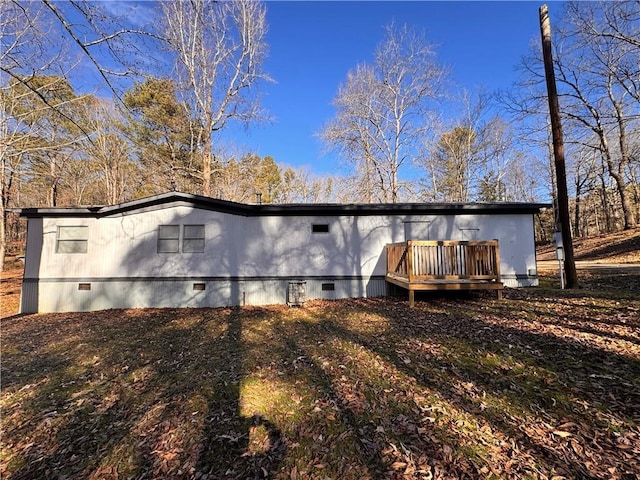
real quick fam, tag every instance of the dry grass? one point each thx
(542, 385)
(619, 247)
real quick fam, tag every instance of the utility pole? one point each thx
(558, 150)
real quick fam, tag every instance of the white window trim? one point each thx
(78, 241)
(181, 239)
(186, 239)
(162, 249)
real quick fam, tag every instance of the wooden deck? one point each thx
(444, 265)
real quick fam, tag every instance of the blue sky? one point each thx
(313, 45)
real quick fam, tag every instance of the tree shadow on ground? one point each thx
(458, 387)
(526, 373)
(148, 393)
(226, 451)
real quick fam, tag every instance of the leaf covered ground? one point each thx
(617, 247)
(543, 385)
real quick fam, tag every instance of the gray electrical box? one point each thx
(296, 293)
(557, 239)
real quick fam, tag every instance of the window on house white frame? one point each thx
(177, 238)
(72, 239)
(168, 238)
(193, 239)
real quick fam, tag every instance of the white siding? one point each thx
(256, 255)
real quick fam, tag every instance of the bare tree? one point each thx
(596, 65)
(383, 112)
(15, 141)
(20, 32)
(107, 151)
(584, 168)
(499, 155)
(21, 45)
(219, 48)
(471, 159)
(107, 38)
(597, 100)
(612, 26)
(24, 93)
(241, 180)
(299, 185)
(49, 37)
(36, 139)
(353, 133)
(46, 105)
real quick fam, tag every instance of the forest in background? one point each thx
(158, 127)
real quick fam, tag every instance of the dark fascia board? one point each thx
(74, 212)
(307, 209)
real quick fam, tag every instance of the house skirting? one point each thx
(516, 280)
(87, 294)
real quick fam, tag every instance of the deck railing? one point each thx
(418, 260)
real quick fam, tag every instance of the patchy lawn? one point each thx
(545, 384)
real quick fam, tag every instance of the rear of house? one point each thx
(180, 250)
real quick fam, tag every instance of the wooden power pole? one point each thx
(558, 150)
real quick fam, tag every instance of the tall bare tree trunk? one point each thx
(3, 234)
(207, 155)
(219, 50)
(558, 150)
(577, 211)
(618, 176)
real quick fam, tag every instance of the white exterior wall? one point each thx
(236, 246)
(247, 260)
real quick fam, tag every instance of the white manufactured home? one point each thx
(180, 250)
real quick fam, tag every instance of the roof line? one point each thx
(243, 209)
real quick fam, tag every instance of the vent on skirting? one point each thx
(199, 286)
(84, 286)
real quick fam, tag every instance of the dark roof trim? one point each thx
(183, 199)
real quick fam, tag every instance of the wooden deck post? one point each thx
(410, 273)
(496, 259)
(409, 261)
(496, 253)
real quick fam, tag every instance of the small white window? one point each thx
(72, 239)
(193, 239)
(168, 238)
